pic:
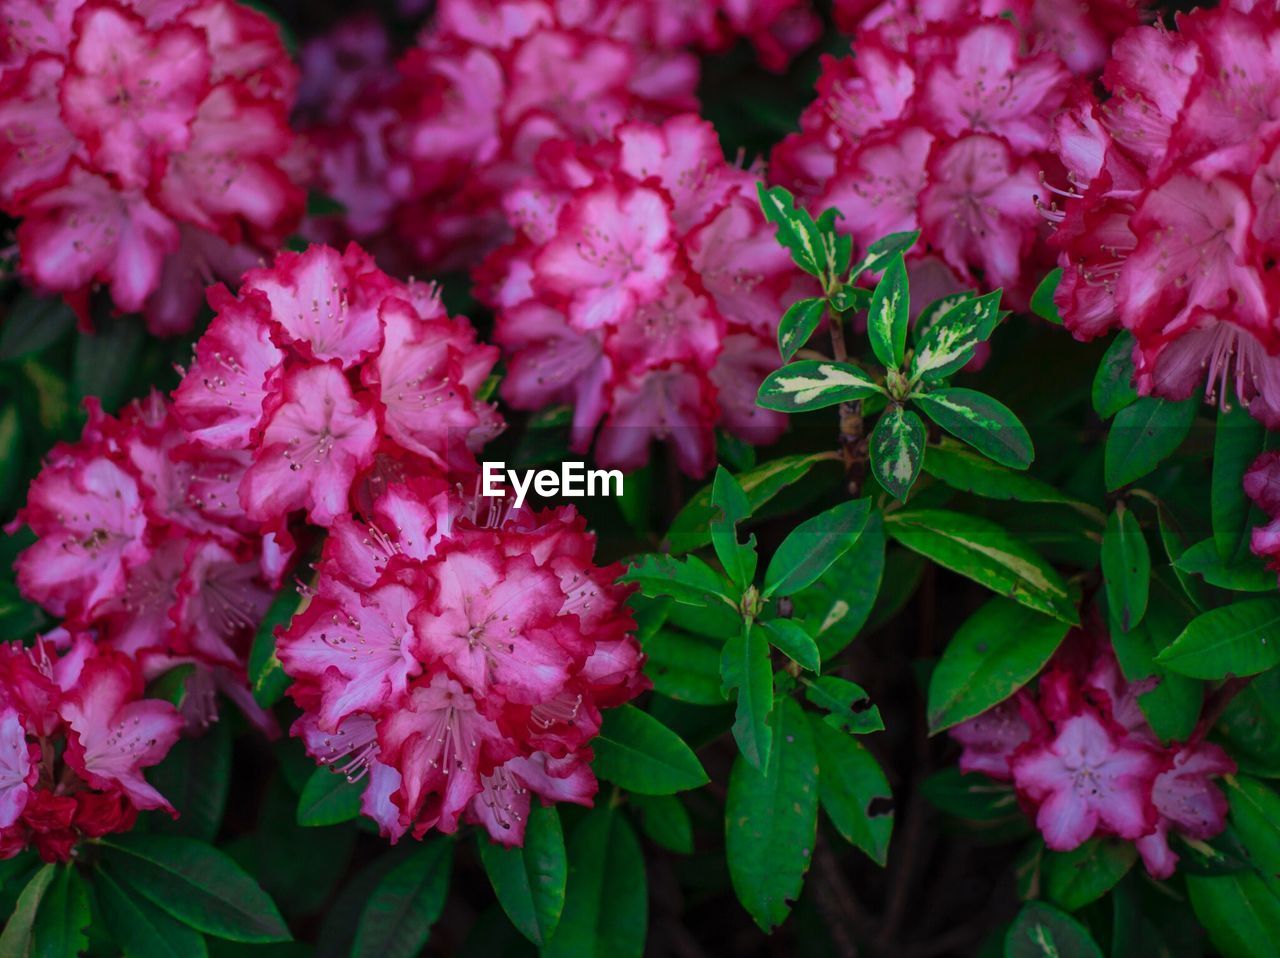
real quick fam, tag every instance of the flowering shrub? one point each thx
(144, 150)
(317, 638)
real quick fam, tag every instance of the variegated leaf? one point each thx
(811, 384)
(798, 324)
(897, 450)
(935, 311)
(882, 250)
(889, 313)
(951, 340)
(797, 230)
(987, 425)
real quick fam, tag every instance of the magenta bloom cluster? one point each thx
(1169, 224)
(144, 147)
(643, 286)
(75, 735)
(458, 654)
(421, 154)
(1085, 762)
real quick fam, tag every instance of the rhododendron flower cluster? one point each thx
(459, 659)
(75, 735)
(1081, 33)
(1169, 225)
(1084, 761)
(426, 151)
(143, 546)
(325, 372)
(644, 287)
(946, 129)
(142, 146)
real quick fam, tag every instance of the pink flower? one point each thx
(17, 770)
(1188, 801)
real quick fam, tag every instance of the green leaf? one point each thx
(846, 703)
(1237, 441)
(689, 580)
(637, 752)
(398, 916)
(798, 323)
(34, 322)
(328, 798)
(973, 798)
(1239, 639)
(797, 231)
(1074, 879)
(771, 818)
(881, 251)
(1042, 931)
(1042, 303)
(853, 790)
(834, 609)
(897, 450)
(1113, 384)
(63, 916)
(196, 884)
(140, 928)
(684, 667)
(848, 296)
(814, 384)
(1255, 814)
(997, 650)
(1250, 726)
(966, 471)
(889, 314)
(987, 425)
(1126, 567)
(1246, 573)
(1240, 911)
(790, 638)
(16, 939)
(811, 547)
(666, 821)
(195, 777)
(1143, 435)
(106, 360)
(930, 315)
(987, 554)
(732, 507)
(744, 665)
(606, 905)
(530, 880)
(267, 679)
(953, 337)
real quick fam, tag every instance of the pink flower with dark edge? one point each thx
(645, 288)
(143, 143)
(1188, 801)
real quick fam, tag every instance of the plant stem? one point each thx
(853, 446)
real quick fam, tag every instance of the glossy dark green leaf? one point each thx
(665, 820)
(1250, 726)
(814, 384)
(397, 918)
(1042, 303)
(197, 884)
(1240, 911)
(106, 361)
(731, 507)
(745, 666)
(854, 791)
(834, 609)
(1126, 567)
(811, 547)
(994, 653)
(952, 338)
(637, 752)
(195, 777)
(1143, 435)
(685, 667)
(771, 819)
(267, 679)
(329, 798)
(798, 323)
(848, 706)
(529, 880)
(688, 580)
(16, 939)
(63, 916)
(897, 450)
(973, 798)
(1074, 879)
(1239, 639)
(140, 928)
(791, 639)
(984, 423)
(32, 323)
(984, 552)
(1113, 384)
(1244, 573)
(965, 470)
(889, 314)
(1042, 931)
(606, 906)
(1237, 442)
